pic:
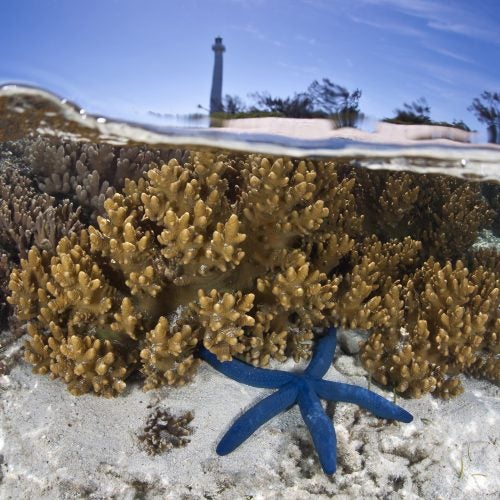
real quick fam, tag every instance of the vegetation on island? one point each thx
(322, 99)
(419, 113)
(486, 107)
(326, 99)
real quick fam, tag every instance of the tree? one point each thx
(487, 110)
(323, 99)
(233, 104)
(335, 101)
(298, 106)
(461, 125)
(417, 113)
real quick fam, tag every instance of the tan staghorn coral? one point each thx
(84, 363)
(367, 292)
(449, 326)
(87, 363)
(179, 259)
(268, 339)
(223, 318)
(164, 355)
(251, 257)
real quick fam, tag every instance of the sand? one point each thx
(320, 128)
(57, 446)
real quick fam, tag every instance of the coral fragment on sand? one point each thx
(164, 431)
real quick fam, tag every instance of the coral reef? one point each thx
(492, 193)
(27, 218)
(51, 187)
(248, 256)
(171, 265)
(433, 209)
(88, 173)
(164, 431)
(4, 281)
(448, 324)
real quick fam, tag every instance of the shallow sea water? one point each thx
(28, 111)
(433, 184)
(437, 158)
(432, 159)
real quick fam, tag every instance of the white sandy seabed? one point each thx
(57, 446)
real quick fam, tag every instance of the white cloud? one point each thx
(394, 27)
(259, 35)
(456, 77)
(467, 20)
(475, 20)
(468, 30)
(299, 69)
(248, 3)
(450, 53)
(305, 39)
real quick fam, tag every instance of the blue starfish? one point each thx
(305, 389)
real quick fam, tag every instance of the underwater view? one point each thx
(278, 297)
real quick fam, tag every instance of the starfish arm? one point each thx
(320, 427)
(247, 374)
(323, 354)
(378, 405)
(256, 416)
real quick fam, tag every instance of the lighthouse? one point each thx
(216, 93)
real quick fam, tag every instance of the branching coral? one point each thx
(172, 264)
(248, 256)
(492, 194)
(4, 275)
(445, 214)
(449, 325)
(27, 217)
(368, 296)
(89, 173)
(163, 355)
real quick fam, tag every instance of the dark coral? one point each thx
(88, 173)
(5, 312)
(164, 431)
(491, 192)
(27, 218)
(445, 214)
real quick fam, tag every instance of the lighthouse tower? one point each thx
(216, 94)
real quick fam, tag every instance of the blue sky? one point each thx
(126, 57)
